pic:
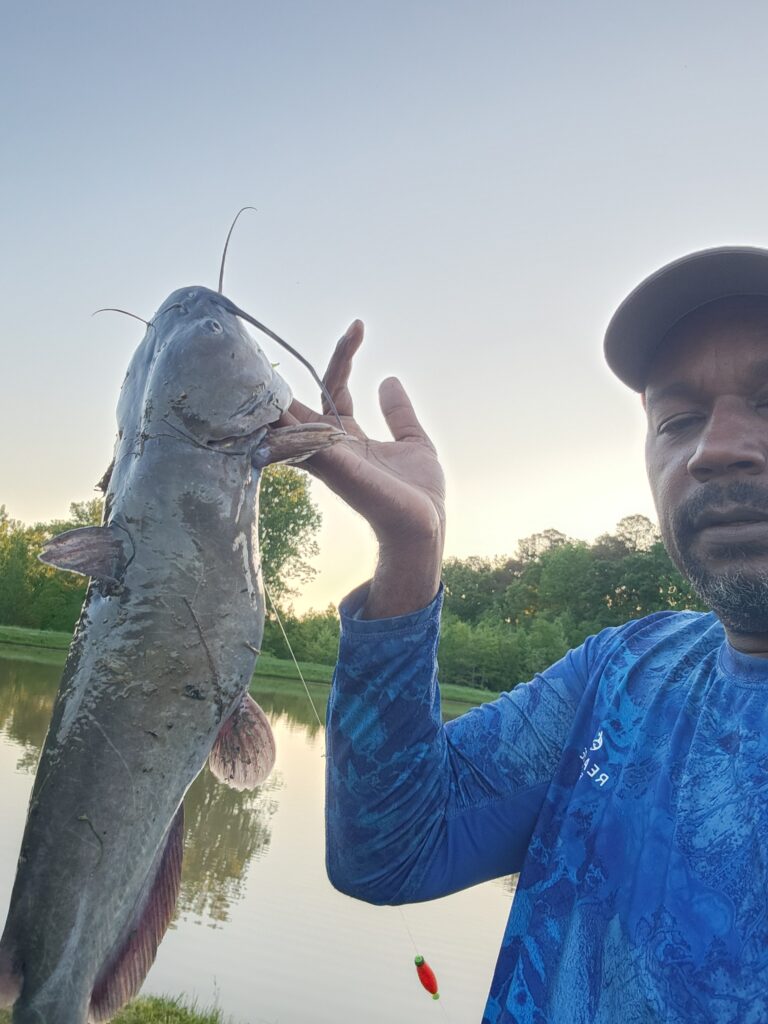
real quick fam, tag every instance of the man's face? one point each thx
(707, 455)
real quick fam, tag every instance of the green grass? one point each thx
(166, 1011)
(280, 668)
(15, 640)
(44, 655)
(21, 637)
(156, 1011)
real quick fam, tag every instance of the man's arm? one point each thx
(417, 809)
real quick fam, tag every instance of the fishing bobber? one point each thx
(427, 976)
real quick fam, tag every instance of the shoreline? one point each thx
(48, 647)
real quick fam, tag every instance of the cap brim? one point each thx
(645, 317)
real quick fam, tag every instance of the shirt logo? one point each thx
(589, 766)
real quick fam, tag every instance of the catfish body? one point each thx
(159, 665)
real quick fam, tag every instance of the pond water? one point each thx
(259, 930)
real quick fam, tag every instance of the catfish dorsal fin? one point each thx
(103, 484)
(102, 552)
(123, 977)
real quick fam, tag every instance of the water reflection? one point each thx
(27, 690)
(507, 884)
(224, 829)
(256, 861)
(296, 708)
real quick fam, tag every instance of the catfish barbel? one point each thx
(158, 671)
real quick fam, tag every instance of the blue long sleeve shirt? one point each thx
(628, 784)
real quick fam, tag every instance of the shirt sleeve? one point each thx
(416, 809)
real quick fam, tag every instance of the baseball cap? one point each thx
(642, 321)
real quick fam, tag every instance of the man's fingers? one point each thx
(339, 369)
(398, 412)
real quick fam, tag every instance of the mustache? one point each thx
(716, 498)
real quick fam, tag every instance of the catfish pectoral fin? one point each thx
(102, 552)
(124, 975)
(293, 444)
(244, 752)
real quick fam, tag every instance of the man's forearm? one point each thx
(406, 579)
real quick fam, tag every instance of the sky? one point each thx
(480, 182)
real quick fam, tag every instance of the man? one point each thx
(629, 782)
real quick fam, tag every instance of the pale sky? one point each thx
(480, 182)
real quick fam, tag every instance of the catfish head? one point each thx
(200, 372)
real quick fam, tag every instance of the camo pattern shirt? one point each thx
(628, 784)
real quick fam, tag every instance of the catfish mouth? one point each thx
(236, 444)
(236, 430)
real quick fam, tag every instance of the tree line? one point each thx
(505, 618)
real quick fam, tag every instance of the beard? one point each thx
(735, 591)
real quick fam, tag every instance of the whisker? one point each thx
(113, 309)
(271, 334)
(226, 244)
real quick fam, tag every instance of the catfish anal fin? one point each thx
(244, 752)
(123, 977)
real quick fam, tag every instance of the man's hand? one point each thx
(397, 485)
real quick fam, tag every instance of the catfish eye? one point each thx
(214, 326)
(192, 294)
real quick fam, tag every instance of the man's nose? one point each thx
(733, 441)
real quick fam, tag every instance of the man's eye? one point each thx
(678, 424)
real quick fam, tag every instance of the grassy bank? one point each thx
(37, 641)
(20, 637)
(48, 646)
(156, 1011)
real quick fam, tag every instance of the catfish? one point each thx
(157, 675)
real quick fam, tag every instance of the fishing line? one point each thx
(416, 950)
(320, 723)
(290, 649)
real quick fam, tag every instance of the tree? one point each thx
(637, 532)
(529, 549)
(15, 588)
(288, 522)
(570, 591)
(312, 637)
(474, 585)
